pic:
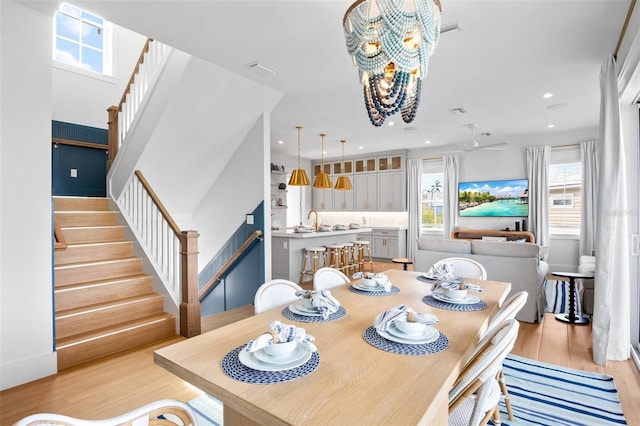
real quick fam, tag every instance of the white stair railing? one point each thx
(121, 117)
(159, 237)
(151, 60)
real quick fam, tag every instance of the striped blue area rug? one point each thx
(208, 410)
(547, 394)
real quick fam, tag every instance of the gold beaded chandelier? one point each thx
(390, 42)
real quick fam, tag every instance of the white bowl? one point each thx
(368, 282)
(306, 303)
(409, 327)
(280, 349)
(454, 294)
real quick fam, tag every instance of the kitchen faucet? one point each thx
(309, 217)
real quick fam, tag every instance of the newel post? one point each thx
(113, 134)
(190, 306)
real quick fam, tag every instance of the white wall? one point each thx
(26, 301)
(233, 195)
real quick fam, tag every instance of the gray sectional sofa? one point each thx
(517, 263)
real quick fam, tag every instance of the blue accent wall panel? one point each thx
(238, 287)
(77, 132)
(90, 163)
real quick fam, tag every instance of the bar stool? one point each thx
(364, 255)
(348, 258)
(310, 263)
(334, 256)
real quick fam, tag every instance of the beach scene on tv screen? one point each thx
(494, 198)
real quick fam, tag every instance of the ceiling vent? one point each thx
(262, 69)
(450, 27)
(458, 111)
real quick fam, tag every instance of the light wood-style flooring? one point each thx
(119, 383)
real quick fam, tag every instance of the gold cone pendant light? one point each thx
(299, 175)
(322, 179)
(343, 183)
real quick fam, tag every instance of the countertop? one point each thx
(291, 234)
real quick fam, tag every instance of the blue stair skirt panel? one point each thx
(239, 285)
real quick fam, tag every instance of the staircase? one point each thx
(104, 303)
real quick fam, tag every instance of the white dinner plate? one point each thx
(432, 338)
(427, 334)
(469, 299)
(363, 287)
(250, 360)
(296, 355)
(300, 309)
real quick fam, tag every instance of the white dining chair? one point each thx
(508, 310)
(464, 268)
(275, 293)
(474, 397)
(163, 412)
(328, 277)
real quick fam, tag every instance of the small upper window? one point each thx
(81, 39)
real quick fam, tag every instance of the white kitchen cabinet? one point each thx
(342, 200)
(322, 199)
(391, 191)
(365, 187)
(364, 165)
(389, 243)
(391, 162)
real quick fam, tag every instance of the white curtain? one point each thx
(588, 211)
(538, 159)
(414, 193)
(450, 194)
(611, 318)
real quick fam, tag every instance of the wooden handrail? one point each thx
(79, 143)
(145, 49)
(218, 275)
(60, 243)
(157, 202)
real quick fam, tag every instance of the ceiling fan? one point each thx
(475, 146)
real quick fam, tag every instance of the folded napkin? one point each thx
(322, 300)
(380, 279)
(281, 333)
(459, 284)
(441, 272)
(384, 319)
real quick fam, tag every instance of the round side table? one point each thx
(404, 262)
(571, 317)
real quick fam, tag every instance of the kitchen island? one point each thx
(287, 248)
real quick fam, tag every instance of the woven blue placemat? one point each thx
(233, 368)
(373, 338)
(431, 301)
(394, 290)
(287, 313)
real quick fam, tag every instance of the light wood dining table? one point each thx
(355, 383)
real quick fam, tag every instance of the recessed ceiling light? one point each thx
(551, 126)
(427, 142)
(391, 123)
(280, 142)
(361, 147)
(547, 95)
(557, 106)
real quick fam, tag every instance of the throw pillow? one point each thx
(557, 295)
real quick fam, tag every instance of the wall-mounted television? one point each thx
(494, 198)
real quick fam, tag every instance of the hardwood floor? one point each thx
(119, 383)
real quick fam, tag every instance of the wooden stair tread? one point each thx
(97, 283)
(101, 306)
(96, 262)
(111, 330)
